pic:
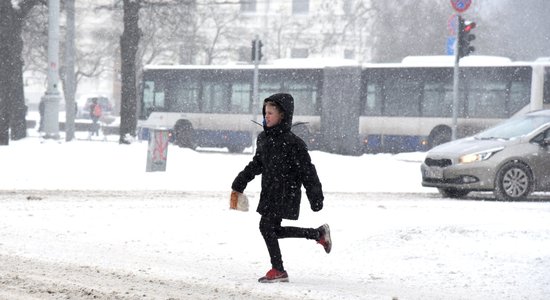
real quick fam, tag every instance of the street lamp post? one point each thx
(52, 97)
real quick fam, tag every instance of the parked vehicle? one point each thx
(511, 159)
(83, 107)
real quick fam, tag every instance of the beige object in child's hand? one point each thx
(238, 201)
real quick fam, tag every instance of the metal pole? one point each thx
(70, 80)
(255, 100)
(267, 10)
(456, 79)
(52, 97)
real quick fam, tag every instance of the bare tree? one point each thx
(223, 29)
(290, 33)
(187, 32)
(328, 29)
(129, 42)
(93, 50)
(345, 25)
(422, 28)
(515, 29)
(35, 40)
(409, 28)
(166, 30)
(129, 47)
(12, 100)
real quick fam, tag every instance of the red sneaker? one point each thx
(324, 238)
(274, 275)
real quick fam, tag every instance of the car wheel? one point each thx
(183, 131)
(514, 181)
(453, 193)
(439, 135)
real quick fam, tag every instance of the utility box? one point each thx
(157, 153)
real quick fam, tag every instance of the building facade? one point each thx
(287, 29)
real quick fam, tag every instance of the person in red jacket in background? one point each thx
(95, 114)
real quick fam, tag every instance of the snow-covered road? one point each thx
(187, 245)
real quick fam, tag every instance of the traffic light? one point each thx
(465, 36)
(258, 43)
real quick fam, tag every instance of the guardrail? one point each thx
(80, 126)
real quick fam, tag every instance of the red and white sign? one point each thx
(461, 5)
(452, 24)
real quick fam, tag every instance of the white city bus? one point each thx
(212, 106)
(394, 107)
(408, 106)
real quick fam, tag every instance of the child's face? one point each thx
(272, 115)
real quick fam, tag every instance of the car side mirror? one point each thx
(545, 142)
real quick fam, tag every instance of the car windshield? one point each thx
(102, 101)
(515, 127)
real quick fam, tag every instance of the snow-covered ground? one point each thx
(83, 220)
(97, 165)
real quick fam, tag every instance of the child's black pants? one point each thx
(271, 230)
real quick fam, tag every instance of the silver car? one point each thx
(511, 159)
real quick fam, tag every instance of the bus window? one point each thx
(305, 98)
(216, 97)
(402, 97)
(159, 100)
(184, 97)
(240, 98)
(269, 88)
(153, 98)
(520, 92)
(438, 100)
(486, 99)
(148, 98)
(546, 89)
(372, 104)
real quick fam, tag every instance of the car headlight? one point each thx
(478, 156)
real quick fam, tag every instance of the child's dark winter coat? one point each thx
(284, 162)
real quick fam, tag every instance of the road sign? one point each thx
(461, 5)
(450, 47)
(452, 24)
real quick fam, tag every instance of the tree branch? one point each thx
(26, 6)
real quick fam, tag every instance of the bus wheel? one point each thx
(302, 132)
(235, 148)
(439, 135)
(514, 181)
(453, 193)
(183, 131)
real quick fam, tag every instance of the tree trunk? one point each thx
(11, 79)
(18, 109)
(12, 100)
(6, 20)
(128, 51)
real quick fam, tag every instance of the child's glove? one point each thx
(316, 205)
